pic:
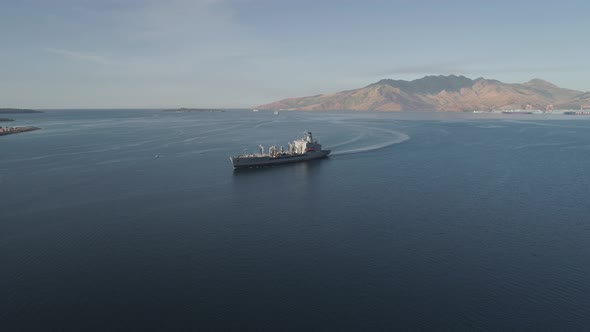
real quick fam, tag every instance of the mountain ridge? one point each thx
(451, 93)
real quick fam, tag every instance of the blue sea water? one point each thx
(416, 221)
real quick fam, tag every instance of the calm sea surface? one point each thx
(417, 221)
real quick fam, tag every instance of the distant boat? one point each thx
(276, 112)
(254, 110)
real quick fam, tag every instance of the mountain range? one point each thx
(441, 93)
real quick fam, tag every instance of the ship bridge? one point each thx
(306, 144)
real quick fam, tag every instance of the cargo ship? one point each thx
(303, 149)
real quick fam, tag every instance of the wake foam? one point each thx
(396, 137)
(353, 140)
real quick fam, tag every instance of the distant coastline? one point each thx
(17, 111)
(441, 93)
(184, 109)
(16, 130)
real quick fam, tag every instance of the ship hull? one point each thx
(248, 162)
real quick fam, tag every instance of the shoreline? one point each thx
(188, 110)
(16, 130)
(18, 111)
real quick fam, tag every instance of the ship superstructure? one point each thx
(302, 149)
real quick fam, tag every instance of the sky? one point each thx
(243, 53)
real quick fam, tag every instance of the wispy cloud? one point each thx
(477, 67)
(459, 65)
(81, 56)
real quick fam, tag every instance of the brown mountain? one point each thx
(440, 93)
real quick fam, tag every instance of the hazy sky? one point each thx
(241, 53)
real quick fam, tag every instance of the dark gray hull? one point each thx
(259, 161)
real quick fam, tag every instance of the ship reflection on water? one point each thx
(289, 175)
(296, 183)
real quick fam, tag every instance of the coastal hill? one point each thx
(440, 93)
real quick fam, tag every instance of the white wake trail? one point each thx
(398, 137)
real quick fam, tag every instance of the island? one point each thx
(16, 130)
(17, 111)
(184, 109)
(441, 93)
(6, 120)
